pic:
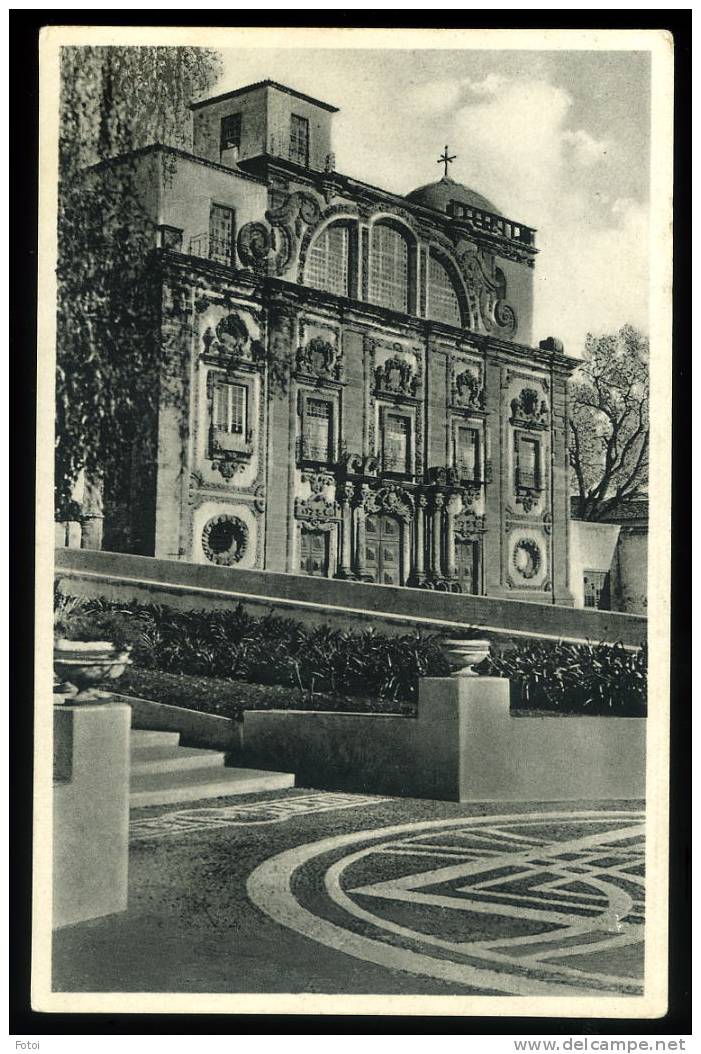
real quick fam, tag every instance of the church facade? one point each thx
(354, 392)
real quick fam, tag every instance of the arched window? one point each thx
(443, 303)
(327, 263)
(389, 268)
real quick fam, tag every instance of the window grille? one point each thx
(528, 463)
(318, 437)
(597, 590)
(443, 303)
(327, 265)
(230, 133)
(221, 233)
(395, 447)
(467, 454)
(299, 140)
(389, 268)
(230, 406)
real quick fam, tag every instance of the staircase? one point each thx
(163, 772)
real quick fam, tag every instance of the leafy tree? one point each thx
(114, 100)
(609, 422)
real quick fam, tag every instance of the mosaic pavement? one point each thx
(542, 903)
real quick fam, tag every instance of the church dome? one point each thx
(438, 196)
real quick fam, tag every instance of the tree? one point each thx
(609, 422)
(114, 100)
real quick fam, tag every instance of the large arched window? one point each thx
(389, 268)
(443, 303)
(327, 263)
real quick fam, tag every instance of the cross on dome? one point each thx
(446, 160)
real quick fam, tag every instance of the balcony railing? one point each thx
(491, 223)
(209, 247)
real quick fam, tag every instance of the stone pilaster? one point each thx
(281, 450)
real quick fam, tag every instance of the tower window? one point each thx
(221, 233)
(299, 140)
(389, 268)
(443, 303)
(396, 444)
(230, 134)
(327, 264)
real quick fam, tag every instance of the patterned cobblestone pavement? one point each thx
(306, 891)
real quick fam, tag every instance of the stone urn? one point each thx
(79, 665)
(464, 654)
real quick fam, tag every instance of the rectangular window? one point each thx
(230, 410)
(396, 444)
(528, 463)
(597, 590)
(467, 453)
(318, 431)
(221, 233)
(299, 140)
(230, 133)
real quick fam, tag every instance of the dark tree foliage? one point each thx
(114, 100)
(610, 423)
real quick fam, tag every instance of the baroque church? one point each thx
(357, 395)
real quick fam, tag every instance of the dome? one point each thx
(438, 195)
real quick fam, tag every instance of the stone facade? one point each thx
(352, 392)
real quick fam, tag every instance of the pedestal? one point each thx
(91, 811)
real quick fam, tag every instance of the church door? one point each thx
(466, 565)
(382, 549)
(314, 553)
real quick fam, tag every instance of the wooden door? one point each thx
(383, 535)
(314, 553)
(466, 565)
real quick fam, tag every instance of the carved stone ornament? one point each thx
(259, 498)
(360, 464)
(225, 540)
(529, 409)
(468, 390)
(527, 498)
(316, 510)
(527, 558)
(230, 340)
(392, 500)
(397, 377)
(298, 210)
(319, 358)
(468, 526)
(486, 294)
(254, 243)
(228, 468)
(444, 477)
(318, 481)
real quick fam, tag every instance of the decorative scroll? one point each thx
(467, 389)
(529, 410)
(230, 340)
(319, 358)
(298, 210)
(254, 243)
(316, 510)
(396, 377)
(486, 293)
(392, 500)
(225, 539)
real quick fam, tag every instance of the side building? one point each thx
(352, 389)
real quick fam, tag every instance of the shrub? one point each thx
(81, 625)
(581, 678)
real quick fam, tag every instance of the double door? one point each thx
(383, 537)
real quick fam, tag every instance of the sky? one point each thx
(558, 140)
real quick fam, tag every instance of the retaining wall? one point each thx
(391, 609)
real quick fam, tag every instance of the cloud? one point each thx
(436, 96)
(587, 150)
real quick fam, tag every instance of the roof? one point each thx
(263, 84)
(631, 512)
(438, 196)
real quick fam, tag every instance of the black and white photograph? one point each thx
(354, 508)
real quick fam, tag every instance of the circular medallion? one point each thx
(547, 903)
(527, 557)
(224, 539)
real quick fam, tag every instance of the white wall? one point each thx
(592, 548)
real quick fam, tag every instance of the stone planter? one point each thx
(79, 665)
(465, 654)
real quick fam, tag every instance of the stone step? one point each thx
(167, 758)
(143, 737)
(165, 788)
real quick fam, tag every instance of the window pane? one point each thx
(443, 304)
(468, 453)
(299, 140)
(389, 268)
(318, 425)
(229, 409)
(221, 231)
(231, 131)
(327, 264)
(395, 454)
(528, 463)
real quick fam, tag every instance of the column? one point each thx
(345, 570)
(406, 550)
(419, 565)
(438, 502)
(280, 452)
(451, 569)
(360, 531)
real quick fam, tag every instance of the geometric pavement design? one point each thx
(523, 904)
